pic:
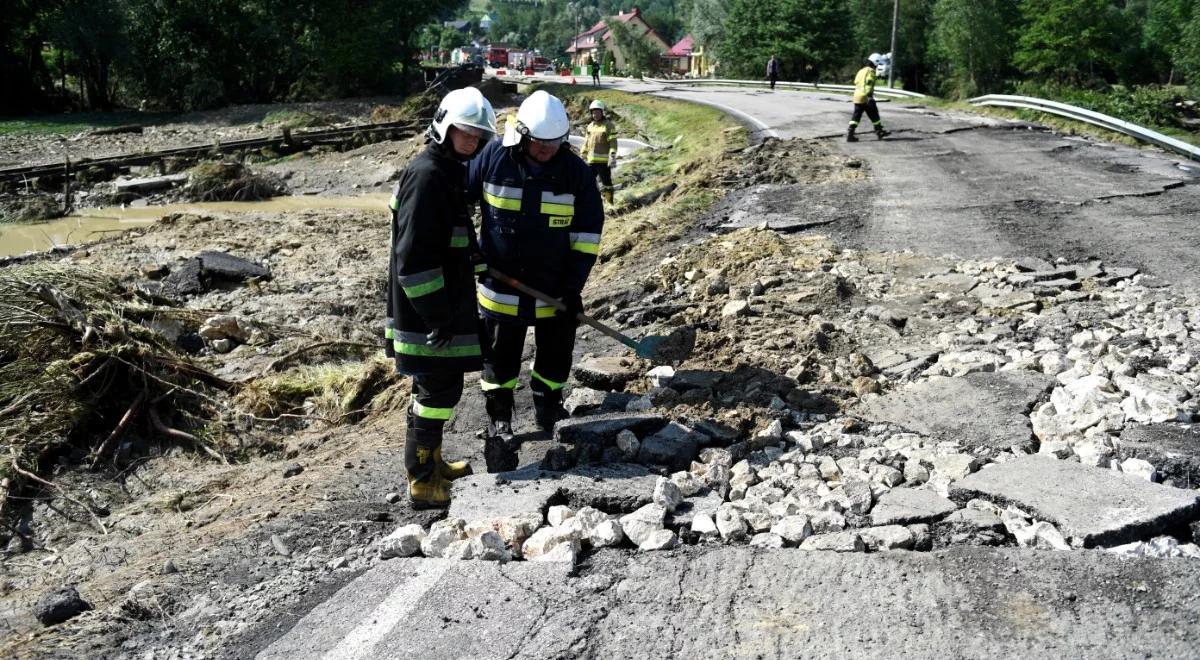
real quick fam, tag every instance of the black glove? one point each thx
(574, 303)
(439, 338)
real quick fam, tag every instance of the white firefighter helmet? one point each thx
(465, 107)
(875, 58)
(597, 105)
(541, 117)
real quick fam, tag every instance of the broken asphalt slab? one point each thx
(902, 506)
(979, 410)
(737, 602)
(613, 488)
(1173, 449)
(1091, 506)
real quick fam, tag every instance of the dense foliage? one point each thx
(196, 53)
(203, 53)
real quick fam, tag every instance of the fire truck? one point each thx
(497, 57)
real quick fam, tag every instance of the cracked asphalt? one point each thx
(969, 186)
(736, 602)
(978, 187)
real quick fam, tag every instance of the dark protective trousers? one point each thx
(604, 173)
(870, 108)
(773, 78)
(554, 342)
(434, 397)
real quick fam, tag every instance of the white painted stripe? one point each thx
(361, 641)
(744, 116)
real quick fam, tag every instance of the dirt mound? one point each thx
(416, 108)
(30, 208)
(230, 182)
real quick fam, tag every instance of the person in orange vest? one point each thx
(864, 99)
(600, 148)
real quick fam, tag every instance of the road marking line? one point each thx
(360, 642)
(762, 126)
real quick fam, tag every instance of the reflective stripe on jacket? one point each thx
(430, 271)
(864, 84)
(601, 143)
(542, 228)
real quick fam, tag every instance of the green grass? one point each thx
(299, 119)
(77, 122)
(692, 141)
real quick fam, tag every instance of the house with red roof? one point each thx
(679, 58)
(588, 45)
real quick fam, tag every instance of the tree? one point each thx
(93, 32)
(1069, 40)
(641, 56)
(811, 37)
(972, 42)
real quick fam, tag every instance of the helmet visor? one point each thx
(473, 131)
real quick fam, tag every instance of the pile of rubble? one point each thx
(853, 401)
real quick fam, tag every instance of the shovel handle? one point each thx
(558, 304)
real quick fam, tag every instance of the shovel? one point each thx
(659, 349)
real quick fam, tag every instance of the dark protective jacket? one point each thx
(542, 228)
(431, 281)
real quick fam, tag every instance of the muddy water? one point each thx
(93, 224)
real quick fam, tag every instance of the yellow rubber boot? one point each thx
(451, 469)
(432, 492)
(427, 488)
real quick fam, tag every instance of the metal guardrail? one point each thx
(802, 86)
(1090, 117)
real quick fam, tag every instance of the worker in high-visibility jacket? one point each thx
(864, 99)
(432, 327)
(542, 219)
(600, 148)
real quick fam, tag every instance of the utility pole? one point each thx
(895, 20)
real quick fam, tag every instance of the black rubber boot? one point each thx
(850, 135)
(427, 488)
(499, 406)
(880, 133)
(547, 408)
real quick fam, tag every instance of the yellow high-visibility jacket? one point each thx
(864, 84)
(601, 142)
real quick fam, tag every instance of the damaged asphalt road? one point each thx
(972, 187)
(975, 187)
(743, 602)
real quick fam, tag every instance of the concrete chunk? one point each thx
(901, 506)
(1091, 506)
(998, 404)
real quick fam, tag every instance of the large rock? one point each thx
(998, 405)
(61, 605)
(225, 266)
(585, 400)
(641, 524)
(674, 446)
(607, 372)
(1090, 506)
(602, 430)
(902, 506)
(1173, 450)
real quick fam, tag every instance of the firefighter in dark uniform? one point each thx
(432, 325)
(542, 219)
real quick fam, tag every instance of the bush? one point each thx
(1150, 105)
